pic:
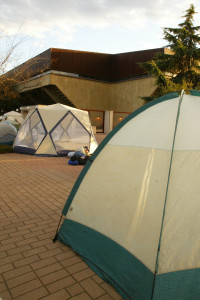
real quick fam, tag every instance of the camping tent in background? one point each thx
(15, 117)
(133, 214)
(55, 130)
(2, 118)
(7, 133)
(14, 123)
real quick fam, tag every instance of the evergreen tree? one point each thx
(178, 68)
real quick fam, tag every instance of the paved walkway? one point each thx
(33, 191)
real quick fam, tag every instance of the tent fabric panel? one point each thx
(57, 133)
(46, 147)
(37, 129)
(51, 117)
(65, 122)
(83, 117)
(34, 119)
(180, 285)
(76, 186)
(24, 137)
(106, 141)
(22, 133)
(66, 119)
(31, 132)
(69, 134)
(93, 144)
(187, 137)
(154, 128)
(117, 266)
(111, 189)
(180, 247)
(78, 133)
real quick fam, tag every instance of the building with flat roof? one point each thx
(96, 82)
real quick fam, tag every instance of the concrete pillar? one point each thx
(108, 121)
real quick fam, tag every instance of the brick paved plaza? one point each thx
(33, 191)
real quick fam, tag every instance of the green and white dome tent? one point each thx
(133, 214)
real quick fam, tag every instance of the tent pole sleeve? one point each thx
(56, 235)
(169, 173)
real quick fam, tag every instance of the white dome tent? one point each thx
(14, 116)
(7, 133)
(133, 214)
(55, 130)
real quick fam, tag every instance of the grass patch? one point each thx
(6, 149)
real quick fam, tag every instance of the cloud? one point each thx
(40, 16)
(57, 22)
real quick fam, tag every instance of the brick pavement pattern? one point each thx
(33, 191)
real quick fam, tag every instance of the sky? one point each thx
(105, 26)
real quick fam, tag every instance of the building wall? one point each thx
(83, 93)
(95, 95)
(34, 83)
(126, 96)
(88, 94)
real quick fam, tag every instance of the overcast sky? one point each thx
(106, 26)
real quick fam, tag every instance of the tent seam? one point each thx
(169, 174)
